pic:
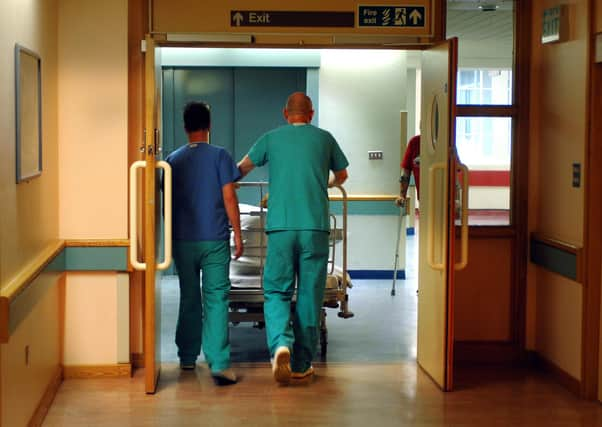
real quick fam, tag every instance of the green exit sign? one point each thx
(555, 24)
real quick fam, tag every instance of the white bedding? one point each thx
(251, 218)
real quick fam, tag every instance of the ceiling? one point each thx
(466, 21)
(480, 5)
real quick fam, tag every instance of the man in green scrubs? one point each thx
(299, 158)
(204, 203)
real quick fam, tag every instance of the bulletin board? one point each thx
(28, 113)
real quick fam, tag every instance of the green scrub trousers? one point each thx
(302, 254)
(203, 319)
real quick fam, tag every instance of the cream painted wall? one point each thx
(562, 90)
(361, 109)
(361, 96)
(23, 385)
(28, 214)
(29, 210)
(558, 134)
(91, 319)
(93, 81)
(371, 242)
(559, 311)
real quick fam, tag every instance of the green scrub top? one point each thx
(299, 158)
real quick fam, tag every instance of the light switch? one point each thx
(576, 175)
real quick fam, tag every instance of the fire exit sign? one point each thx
(401, 16)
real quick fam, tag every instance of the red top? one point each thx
(411, 160)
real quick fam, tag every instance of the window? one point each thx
(484, 87)
(484, 144)
(485, 105)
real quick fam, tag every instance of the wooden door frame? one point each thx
(592, 232)
(139, 24)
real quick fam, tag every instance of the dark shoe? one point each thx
(281, 366)
(225, 377)
(187, 366)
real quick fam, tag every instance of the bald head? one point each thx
(298, 108)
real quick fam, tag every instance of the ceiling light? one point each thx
(488, 7)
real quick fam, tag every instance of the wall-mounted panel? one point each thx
(483, 294)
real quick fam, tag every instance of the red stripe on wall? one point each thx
(489, 178)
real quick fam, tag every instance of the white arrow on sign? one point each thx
(415, 16)
(238, 18)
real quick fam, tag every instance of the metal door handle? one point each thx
(164, 265)
(140, 164)
(464, 219)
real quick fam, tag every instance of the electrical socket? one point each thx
(375, 155)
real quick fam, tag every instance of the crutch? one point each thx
(399, 221)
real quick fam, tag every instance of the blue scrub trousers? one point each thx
(290, 254)
(203, 318)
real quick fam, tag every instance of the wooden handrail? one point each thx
(87, 243)
(18, 283)
(568, 248)
(557, 243)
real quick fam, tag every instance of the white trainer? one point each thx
(281, 366)
(302, 377)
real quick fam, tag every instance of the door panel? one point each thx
(260, 95)
(245, 102)
(436, 251)
(153, 209)
(214, 86)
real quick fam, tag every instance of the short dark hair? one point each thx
(196, 116)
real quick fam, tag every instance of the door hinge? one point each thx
(143, 46)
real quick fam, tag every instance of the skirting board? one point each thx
(47, 398)
(376, 274)
(98, 371)
(558, 374)
(483, 353)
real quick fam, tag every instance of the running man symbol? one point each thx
(400, 16)
(386, 17)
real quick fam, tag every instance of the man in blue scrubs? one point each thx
(299, 157)
(204, 201)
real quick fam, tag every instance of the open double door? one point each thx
(437, 253)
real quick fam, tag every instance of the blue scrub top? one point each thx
(199, 173)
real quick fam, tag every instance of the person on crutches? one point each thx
(409, 165)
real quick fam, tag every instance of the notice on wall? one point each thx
(554, 25)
